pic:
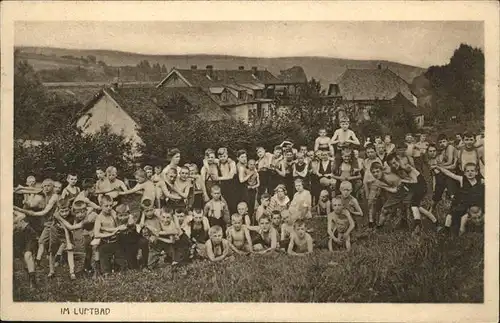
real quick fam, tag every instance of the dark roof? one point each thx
(137, 102)
(293, 75)
(207, 108)
(80, 95)
(372, 84)
(219, 77)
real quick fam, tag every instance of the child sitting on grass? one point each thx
(242, 209)
(473, 216)
(340, 225)
(266, 237)
(301, 202)
(301, 242)
(286, 229)
(324, 206)
(276, 221)
(217, 248)
(238, 236)
(198, 232)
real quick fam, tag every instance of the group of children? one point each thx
(224, 207)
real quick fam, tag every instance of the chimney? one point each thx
(210, 71)
(379, 66)
(193, 67)
(241, 68)
(254, 70)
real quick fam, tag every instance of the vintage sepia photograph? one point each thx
(260, 161)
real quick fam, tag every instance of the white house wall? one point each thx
(105, 111)
(239, 112)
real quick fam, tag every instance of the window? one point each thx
(223, 96)
(242, 95)
(259, 110)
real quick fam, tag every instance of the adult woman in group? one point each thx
(173, 158)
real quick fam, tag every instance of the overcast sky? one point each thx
(414, 43)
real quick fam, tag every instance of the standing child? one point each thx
(30, 183)
(347, 170)
(275, 165)
(470, 192)
(197, 183)
(25, 245)
(226, 176)
(217, 248)
(322, 142)
(324, 206)
(343, 136)
(301, 242)
(340, 225)
(263, 208)
(388, 145)
(106, 230)
(263, 165)
(253, 184)
(286, 172)
(238, 236)
(101, 183)
(216, 210)
(71, 191)
(209, 174)
(143, 185)
(415, 182)
(371, 157)
(301, 170)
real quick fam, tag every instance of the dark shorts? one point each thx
(25, 241)
(52, 237)
(402, 197)
(419, 190)
(257, 239)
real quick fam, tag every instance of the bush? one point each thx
(70, 150)
(193, 136)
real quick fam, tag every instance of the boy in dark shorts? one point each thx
(470, 192)
(25, 245)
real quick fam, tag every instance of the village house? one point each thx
(126, 109)
(363, 89)
(247, 95)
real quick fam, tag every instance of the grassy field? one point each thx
(385, 266)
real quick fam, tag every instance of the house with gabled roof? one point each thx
(246, 95)
(364, 89)
(127, 109)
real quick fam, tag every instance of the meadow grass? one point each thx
(383, 266)
(387, 266)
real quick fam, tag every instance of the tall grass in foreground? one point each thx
(381, 267)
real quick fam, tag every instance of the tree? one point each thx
(459, 86)
(29, 98)
(164, 69)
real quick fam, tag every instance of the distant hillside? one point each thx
(324, 69)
